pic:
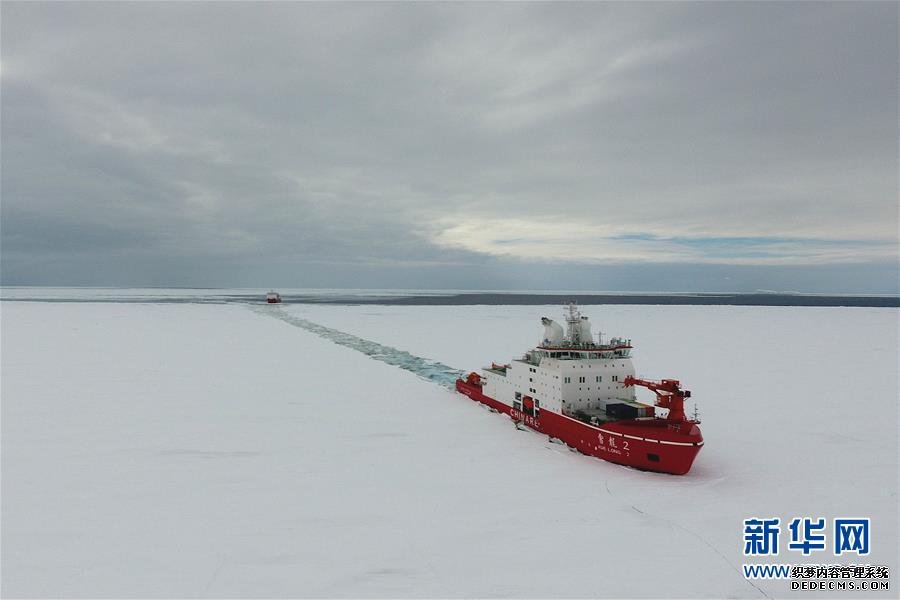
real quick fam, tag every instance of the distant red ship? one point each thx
(273, 298)
(582, 393)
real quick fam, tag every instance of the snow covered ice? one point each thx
(223, 450)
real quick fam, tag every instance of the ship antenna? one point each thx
(574, 322)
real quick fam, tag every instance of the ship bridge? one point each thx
(615, 349)
(577, 343)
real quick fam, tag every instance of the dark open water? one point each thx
(430, 298)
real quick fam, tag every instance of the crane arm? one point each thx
(668, 392)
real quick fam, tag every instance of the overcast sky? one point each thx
(596, 146)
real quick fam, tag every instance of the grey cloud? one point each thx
(355, 135)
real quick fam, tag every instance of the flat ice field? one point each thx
(220, 450)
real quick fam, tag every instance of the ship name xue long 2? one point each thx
(581, 392)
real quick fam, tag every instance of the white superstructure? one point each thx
(572, 375)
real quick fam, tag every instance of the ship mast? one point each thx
(573, 320)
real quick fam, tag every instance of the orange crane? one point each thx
(668, 395)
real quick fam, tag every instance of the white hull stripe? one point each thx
(677, 443)
(643, 439)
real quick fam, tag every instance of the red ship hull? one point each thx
(652, 445)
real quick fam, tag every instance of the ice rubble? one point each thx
(426, 369)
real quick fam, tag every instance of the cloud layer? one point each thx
(432, 144)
